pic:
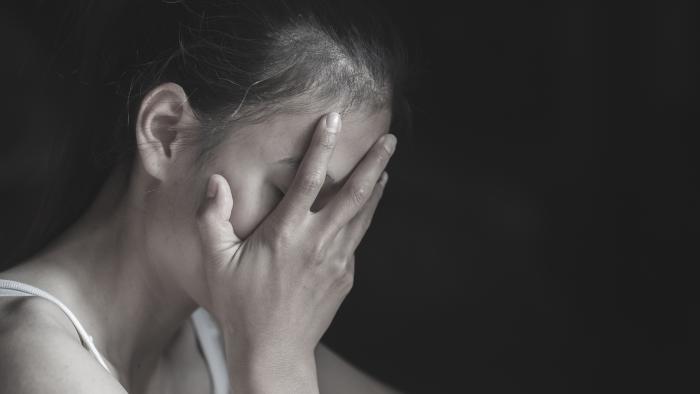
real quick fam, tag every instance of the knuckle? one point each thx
(359, 193)
(311, 182)
(279, 236)
(316, 252)
(326, 141)
(346, 276)
(347, 282)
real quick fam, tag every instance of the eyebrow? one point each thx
(294, 162)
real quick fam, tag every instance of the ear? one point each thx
(163, 119)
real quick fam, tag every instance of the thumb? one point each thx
(215, 229)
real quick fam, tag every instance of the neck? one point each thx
(102, 270)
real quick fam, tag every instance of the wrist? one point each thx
(268, 368)
(272, 372)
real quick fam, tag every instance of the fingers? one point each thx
(358, 188)
(357, 227)
(213, 216)
(312, 171)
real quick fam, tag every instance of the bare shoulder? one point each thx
(40, 352)
(338, 376)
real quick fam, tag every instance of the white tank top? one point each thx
(206, 330)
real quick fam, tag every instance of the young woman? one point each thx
(216, 255)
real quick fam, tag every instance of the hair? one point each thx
(241, 62)
(238, 61)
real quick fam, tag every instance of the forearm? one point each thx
(269, 371)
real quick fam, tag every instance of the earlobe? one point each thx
(163, 118)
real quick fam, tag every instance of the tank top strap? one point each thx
(11, 288)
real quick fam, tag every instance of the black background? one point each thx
(535, 235)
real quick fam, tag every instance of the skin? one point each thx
(152, 247)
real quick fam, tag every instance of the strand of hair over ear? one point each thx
(245, 95)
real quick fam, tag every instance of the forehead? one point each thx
(288, 135)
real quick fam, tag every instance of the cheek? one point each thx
(246, 168)
(253, 200)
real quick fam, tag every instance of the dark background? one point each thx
(535, 235)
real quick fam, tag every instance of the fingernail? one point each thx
(384, 178)
(332, 121)
(390, 143)
(211, 188)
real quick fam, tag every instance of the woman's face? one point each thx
(259, 161)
